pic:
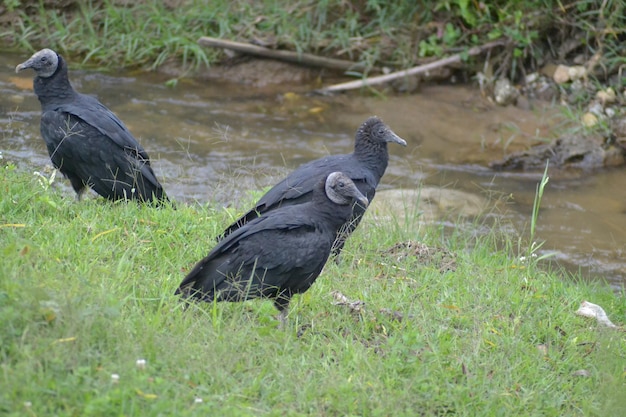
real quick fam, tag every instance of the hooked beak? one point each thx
(392, 137)
(23, 66)
(362, 200)
(359, 197)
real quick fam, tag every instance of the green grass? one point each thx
(396, 34)
(86, 290)
(148, 33)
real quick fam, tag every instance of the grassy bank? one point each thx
(86, 291)
(397, 34)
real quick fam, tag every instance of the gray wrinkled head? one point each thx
(341, 190)
(44, 63)
(377, 131)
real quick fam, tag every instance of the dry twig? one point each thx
(420, 69)
(289, 56)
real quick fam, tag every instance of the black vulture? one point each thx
(365, 166)
(85, 140)
(278, 254)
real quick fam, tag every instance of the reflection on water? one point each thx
(214, 142)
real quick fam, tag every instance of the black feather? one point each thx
(278, 254)
(365, 166)
(87, 142)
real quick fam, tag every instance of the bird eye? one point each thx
(44, 59)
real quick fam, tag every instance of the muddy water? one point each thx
(212, 142)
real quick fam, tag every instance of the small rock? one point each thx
(610, 112)
(588, 309)
(531, 78)
(589, 119)
(504, 92)
(577, 72)
(607, 96)
(548, 70)
(561, 74)
(575, 151)
(596, 109)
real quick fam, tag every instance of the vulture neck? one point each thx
(55, 89)
(374, 155)
(334, 215)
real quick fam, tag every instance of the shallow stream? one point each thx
(213, 142)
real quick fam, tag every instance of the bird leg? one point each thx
(281, 302)
(282, 318)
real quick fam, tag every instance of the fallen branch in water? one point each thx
(299, 58)
(420, 69)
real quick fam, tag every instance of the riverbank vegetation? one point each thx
(396, 34)
(90, 325)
